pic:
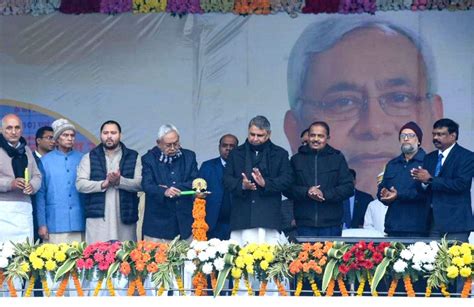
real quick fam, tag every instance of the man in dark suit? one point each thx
(446, 176)
(218, 202)
(168, 169)
(355, 206)
(256, 174)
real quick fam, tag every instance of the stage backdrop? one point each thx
(209, 74)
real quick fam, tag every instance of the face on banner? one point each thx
(366, 86)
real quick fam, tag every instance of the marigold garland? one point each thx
(11, 288)
(2, 278)
(299, 284)
(314, 286)
(360, 289)
(199, 283)
(235, 289)
(110, 286)
(248, 286)
(408, 286)
(393, 287)
(466, 289)
(342, 286)
(139, 286)
(46, 289)
(199, 226)
(445, 291)
(428, 291)
(131, 288)
(62, 285)
(31, 284)
(160, 291)
(330, 289)
(179, 281)
(263, 288)
(281, 288)
(77, 284)
(98, 287)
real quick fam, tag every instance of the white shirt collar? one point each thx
(446, 152)
(223, 162)
(38, 154)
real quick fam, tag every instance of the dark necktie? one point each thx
(438, 165)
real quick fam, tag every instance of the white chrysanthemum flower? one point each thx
(203, 256)
(7, 249)
(201, 245)
(223, 248)
(416, 266)
(428, 267)
(214, 242)
(219, 264)
(418, 247)
(211, 252)
(3, 262)
(434, 245)
(207, 268)
(406, 254)
(399, 266)
(191, 254)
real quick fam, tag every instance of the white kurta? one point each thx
(110, 227)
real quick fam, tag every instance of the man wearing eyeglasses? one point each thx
(365, 78)
(408, 213)
(168, 169)
(44, 142)
(446, 176)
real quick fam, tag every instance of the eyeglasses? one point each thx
(350, 105)
(407, 135)
(49, 138)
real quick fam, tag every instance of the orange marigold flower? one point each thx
(140, 266)
(303, 256)
(146, 257)
(140, 245)
(152, 267)
(318, 253)
(149, 246)
(322, 261)
(318, 245)
(306, 247)
(160, 258)
(135, 255)
(125, 268)
(306, 267)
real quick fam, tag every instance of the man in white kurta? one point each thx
(110, 226)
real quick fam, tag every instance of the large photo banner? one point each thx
(210, 74)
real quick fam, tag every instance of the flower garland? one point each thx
(360, 261)
(79, 6)
(321, 6)
(218, 6)
(149, 6)
(199, 226)
(15, 7)
(245, 7)
(183, 7)
(357, 6)
(207, 258)
(97, 259)
(310, 264)
(115, 6)
(292, 7)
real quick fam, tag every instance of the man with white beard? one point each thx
(408, 212)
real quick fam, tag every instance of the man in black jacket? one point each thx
(256, 173)
(322, 182)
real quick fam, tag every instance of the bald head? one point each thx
(12, 128)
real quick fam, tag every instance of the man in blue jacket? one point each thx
(408, 212)
(218, 202)
(168, 169)
(60, 208)
(447, 177)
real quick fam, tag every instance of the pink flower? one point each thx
(80, 263)
(89, 264)
(98, 257)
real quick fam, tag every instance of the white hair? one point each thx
(321, 36)
(165, 129)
